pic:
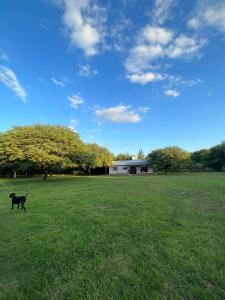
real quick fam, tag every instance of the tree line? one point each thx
(47, 149)
(175, 159)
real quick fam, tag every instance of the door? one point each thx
(133, 170)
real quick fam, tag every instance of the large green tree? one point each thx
(103, 157)
(216, 157)
(199, 160)
(43, 145)
(169, 159)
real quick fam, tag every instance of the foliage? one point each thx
(38, 149)
(216, 157)
(200, 156)
(169, 159)
(140, 154)
(47, 149)
(123, 156)
(43, 145)
(101, 156)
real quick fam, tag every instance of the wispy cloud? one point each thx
(4, 55)
(75, 101)
(8, 78)
(144, 109)
(118, 114)
(57, 82)
(86, 71)
(208, 13)
(172, 93)
(73, 124)
(84, 21)
(162, 10)
(144, 78)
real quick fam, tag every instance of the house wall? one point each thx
(150, 170)
(121, 170)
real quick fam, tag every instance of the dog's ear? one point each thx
(11, 195)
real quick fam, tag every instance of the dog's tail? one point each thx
(27, 194)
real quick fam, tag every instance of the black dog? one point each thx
(18, 200)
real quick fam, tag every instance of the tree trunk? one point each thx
(45, 175)
(14, 174)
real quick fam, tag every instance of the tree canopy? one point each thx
(169, 159)
(45, 149)
(48, 147)
(123, 156)
(216, 157)
(140, 154)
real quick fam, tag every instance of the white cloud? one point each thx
(185, 46)
(154, 44)
(194, 23)
(162, 10)
(144, 78)
(141, 57)
(118, 114)
(86, 70)
(172, 93)
(75, 101)
(8, 77)
(144, 109)
(4, 55)
(57, 82)
(84, 21)
(191, 82)
(73, 124)
(118, 32)
(157, 35)
(209, 13)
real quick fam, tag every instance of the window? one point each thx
(124, 168)
(115, 168)
(144, 169)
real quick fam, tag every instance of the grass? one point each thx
(156, 237)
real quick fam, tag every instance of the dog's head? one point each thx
(12, 195)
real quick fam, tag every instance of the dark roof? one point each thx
(136, 162)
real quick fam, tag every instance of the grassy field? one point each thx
(155, 237)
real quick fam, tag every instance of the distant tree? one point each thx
(216, 157)
(200, 156)
(85, 161)
(103, 157)
(199, 160)
(140, 154)
(123, 156)
(169, 159)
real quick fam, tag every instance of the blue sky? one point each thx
(126, 74)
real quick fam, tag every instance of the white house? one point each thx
(126, 167)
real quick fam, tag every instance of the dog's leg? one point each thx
(18, 206)
(12, 205)
(23, 207)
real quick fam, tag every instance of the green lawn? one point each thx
(153, 237)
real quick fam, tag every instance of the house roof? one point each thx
(136, 162)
